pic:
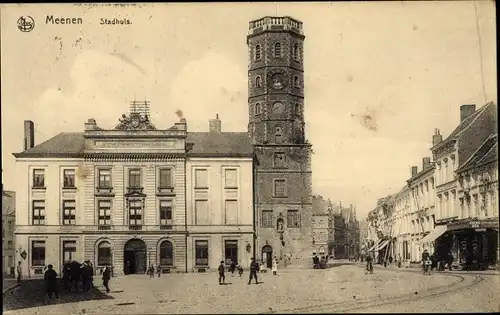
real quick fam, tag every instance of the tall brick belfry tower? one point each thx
(283, 192)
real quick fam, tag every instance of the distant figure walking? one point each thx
(151, 271)
(232, 268)
(106, 276)
(275, 266)
(240, 270)
(19, 272)
(158, 270)
(222, 277)
(254, 267)
(50, 278)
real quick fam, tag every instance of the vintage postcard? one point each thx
(271, 157)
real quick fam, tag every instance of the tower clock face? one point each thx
(277, 79)
(278, 107)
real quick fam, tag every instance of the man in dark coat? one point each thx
(254, 268)
(66, 277)
(222, 277)
(51, 282)
(106, 276)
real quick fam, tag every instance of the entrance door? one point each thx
(267, 256)
(135, 257)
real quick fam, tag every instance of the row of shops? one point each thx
(467, 243)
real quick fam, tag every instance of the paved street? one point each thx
(341, 288)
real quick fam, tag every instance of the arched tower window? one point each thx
(277, 50)
(296, 81)
(295, 52)
(258, 82)
(278, 135)
(257, 109)
(258, 52)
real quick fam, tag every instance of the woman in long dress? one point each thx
(275, 266)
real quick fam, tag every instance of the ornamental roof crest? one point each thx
(138, 119)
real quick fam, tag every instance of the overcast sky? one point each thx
(408, 65)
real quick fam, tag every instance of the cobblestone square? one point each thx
(294, 291)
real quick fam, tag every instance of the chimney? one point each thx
(437, 137)
(214, 125)
(466, 111)
(90, 124)
(414, 171)
(29, 135)
(426, 162)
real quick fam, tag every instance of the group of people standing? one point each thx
(151, 271)
(255, 267)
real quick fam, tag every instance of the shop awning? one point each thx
(432, 236)
(384, 244)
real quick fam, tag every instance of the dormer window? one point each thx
(258, 53)
(277, 50)
(257, 109)
(258, 82)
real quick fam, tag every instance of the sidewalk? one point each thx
(416, 268)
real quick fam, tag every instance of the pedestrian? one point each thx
(158, 270)
(19, 272)
(50, 278)
(222, 277)
(66, 277)
(240, 270)
(390, 260)
(151, 271)
(232, 268)
(254, 267)
(106, 276)
(275, 266)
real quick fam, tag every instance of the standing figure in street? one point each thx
(222, 277)
(254, 268)
(18, 271)
(275, 266)
(240, 270)
(50, 278)
(151, 271)
(106, 276)
(66, 277)
(232, 268)
(158, 270)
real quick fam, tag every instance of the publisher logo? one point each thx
(25, 23)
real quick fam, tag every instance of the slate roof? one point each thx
(235, 144)
(486, 153)
(464, 124)
(207, 144)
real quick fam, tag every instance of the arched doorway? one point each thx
(134, 255)
(267, 256)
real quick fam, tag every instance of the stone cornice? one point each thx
(133, 156)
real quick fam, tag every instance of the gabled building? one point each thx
(450, 155)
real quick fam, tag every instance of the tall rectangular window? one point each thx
(201, 212)
(231, 252)
(231, 212)
(201, 253)
(279, 188)
(135, 212)
(279, 160)
(38, 178)
(134, 178)
(69, 251)
(267, 218)
(38, 215)
(104, 208)
(230, 178)
(37, 253)
(69, 212)
(166, 178)
(201, 179)
(105, 178)
(10, 245)
(293, 219)
(165, 212)
(69, 178)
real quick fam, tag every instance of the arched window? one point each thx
(295, 52)
(278, 136)
(166, 254)
(296, 81)
(258, 82)
(257, 52)
(257, 109)
(277, 50)
(297, 109)
(104, 254)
